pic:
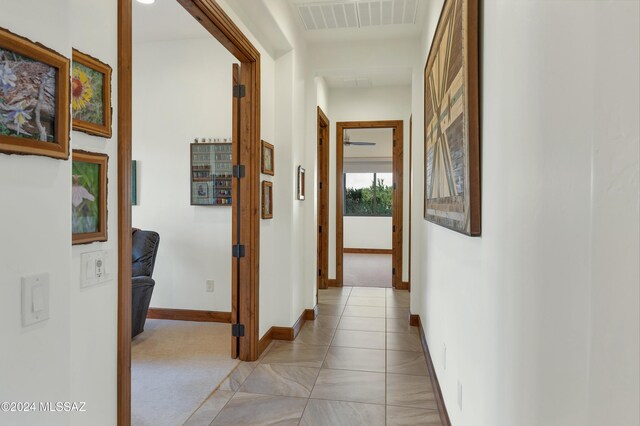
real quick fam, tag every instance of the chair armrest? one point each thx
(142, 282)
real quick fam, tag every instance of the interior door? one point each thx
(323, 200)
(235, 207)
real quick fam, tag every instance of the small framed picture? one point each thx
(134, 183)
(89, 197)
(90, 95)
(267, 200)
(301, 183)
(34, 98)
(267, 158)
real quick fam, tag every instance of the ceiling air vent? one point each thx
(357, 13)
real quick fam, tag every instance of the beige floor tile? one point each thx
(364, 311)
(209, 409)
(400, 325)
(398, 313)
(404, 342)
(335, 291)
(397, 302)
(366, 301)
(326, 309)
(237, 376)
(328, 300)
(345, 385)
(339, 413)
(359, 339)
(282, 380)
(362, 324)
(410, 391)
(296, 354)
(403, 416)
(254, 409)
(311, 335)
(324, 321)
(412, 363)
(368, 292)
(355, 359)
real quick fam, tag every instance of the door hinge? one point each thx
(320, 229)
(237, 330)
(319, 272)
(394, 228)
(320, 185)
(238, 250)
(394, 271)
(394, 185)
(239, 91)
(238, 171)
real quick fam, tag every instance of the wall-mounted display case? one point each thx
(211, 174)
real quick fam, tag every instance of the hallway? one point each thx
(358, 363)
(367, 270)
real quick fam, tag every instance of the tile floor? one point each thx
(358, 363)
(367, 270)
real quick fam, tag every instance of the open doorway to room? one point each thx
(369, 209)
(198, 78)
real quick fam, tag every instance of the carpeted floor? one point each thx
(175, 365)
(367, 270)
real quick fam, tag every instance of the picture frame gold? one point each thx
(85, 125)
(301, 183)
(84, 195)
(27, 108)
(267, 158)
(267, 200)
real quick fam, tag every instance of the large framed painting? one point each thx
(89, 197)
(452, 127)
(90, 95)
(34, 98)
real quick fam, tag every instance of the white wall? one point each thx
(195, 241)
(539, 316)
(369, 104)
(367, 232)
(71, 356)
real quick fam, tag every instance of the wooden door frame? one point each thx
(322, 189)
(398, 172)
(408, 285)
(211, 16)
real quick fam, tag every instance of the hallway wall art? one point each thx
(452, 128)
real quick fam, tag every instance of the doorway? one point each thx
(323, 200)
(396, 130)
(245, 186)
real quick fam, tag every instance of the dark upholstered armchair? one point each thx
(144, 250)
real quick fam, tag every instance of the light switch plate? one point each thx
(35, 299)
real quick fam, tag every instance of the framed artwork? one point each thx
(34, 98)
(89, 197)
(267, 158)
(212, 174)
(267, 200)
(301, 183)
(90, 95)
(134, 183)
(452, 128)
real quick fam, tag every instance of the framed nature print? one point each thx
(134, 183)
(267, 200)
(34, 98)
(301, 183)
(89, 197)
(267, 158)
(452, 129)
(90, 95)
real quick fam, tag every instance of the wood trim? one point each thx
(367, 251)
(411, 177)
(265, 341)
(311, 314)
(398, 171)
(104, 69)
(189, 315)
(403, 285)
(415, 321)
(333, 283)
(101, 160)
(235, 212)
(287, 333)
(322, 189)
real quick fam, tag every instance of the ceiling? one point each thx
(383, 139)
(164, 20)
(364, 78)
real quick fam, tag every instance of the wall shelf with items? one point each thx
(211, 174)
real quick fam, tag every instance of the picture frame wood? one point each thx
(452, 194)
(81, 121)
(89, 197)
(267, 158)
(34, 98)
(267, 200)
(301, 183)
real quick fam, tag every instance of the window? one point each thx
(368, 194)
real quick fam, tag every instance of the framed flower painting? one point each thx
(268, 166)
(34, 98)
(90, 95)
(89, 197)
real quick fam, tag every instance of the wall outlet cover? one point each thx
(210, 286)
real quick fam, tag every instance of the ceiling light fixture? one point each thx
(146, 1)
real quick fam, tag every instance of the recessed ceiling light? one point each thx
(146, 1)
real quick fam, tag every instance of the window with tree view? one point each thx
(368, 194)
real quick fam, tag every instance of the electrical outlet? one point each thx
(459, 395)
(444, 357)
(209, 286)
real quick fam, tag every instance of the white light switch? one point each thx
(35, 299)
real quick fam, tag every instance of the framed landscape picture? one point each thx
(90, 95)
(34, 98)
(301, 183)
(267, 200)
(268, 166)
(89, 197)
(452, 127)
